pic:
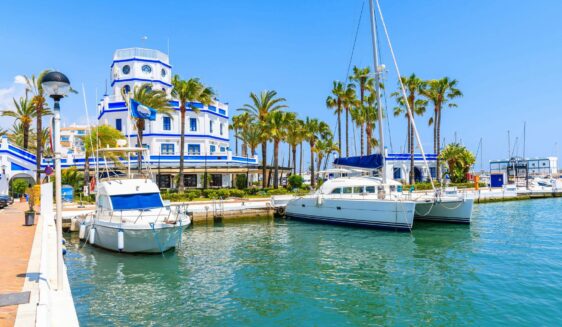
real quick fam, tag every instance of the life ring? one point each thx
(281, 211)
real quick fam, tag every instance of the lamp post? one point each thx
(56, 85)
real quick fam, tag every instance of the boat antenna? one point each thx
(402, 88)
(524, 137)
(378, 70)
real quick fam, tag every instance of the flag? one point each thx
(139, 110)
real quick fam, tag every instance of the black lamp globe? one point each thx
(56, 85)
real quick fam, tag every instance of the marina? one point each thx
(280, 164)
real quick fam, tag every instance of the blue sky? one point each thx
(506, 55)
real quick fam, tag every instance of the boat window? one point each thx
(347, 190)
(369, 189)
(392, 188)
(103, 202)
(358, 189)
(337, 190)
(136, 201)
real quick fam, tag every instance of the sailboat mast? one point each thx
(377, 89)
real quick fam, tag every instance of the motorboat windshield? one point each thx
(137, 201)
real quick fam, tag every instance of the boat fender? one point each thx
(92, 236)
(281, 211)
(319, 201)
(120, 240)
(82, 231)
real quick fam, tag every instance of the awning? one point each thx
(373, 161)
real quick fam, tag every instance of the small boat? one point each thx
(359, 201)
(130, 215)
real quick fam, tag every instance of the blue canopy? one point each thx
(373, 161)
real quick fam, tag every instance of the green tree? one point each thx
(349, 101)
(459, 160)
(295, 136)
(71, 176)
(440, 92)
(188, 92)
(157, 100)
(324, 147)
(335, 101)
(260, 107)
(24, 113)
(277, 129)
(314, 130)
(100, 136)
(362, 77)
(414, 87)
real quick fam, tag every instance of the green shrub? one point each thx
(278, 191)
(237, 193)
(223, 193)
(212, 194)
(241, 181)
(295, 181)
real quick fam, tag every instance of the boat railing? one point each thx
(171, 216)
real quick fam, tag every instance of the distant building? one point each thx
(546, 166)
(71, 138)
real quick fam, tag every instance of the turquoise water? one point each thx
(504, 269)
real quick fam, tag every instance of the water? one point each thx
(505, 269)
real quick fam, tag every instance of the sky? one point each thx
(506, 56)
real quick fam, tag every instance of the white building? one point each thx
(206, 131)
(71, 138)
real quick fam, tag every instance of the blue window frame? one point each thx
(211, 126)
(397, 173)
(193, 124)
(221, 126)
(213, 148)
(193, 149)
(65, 138)
(167, 148)
(223, 149)
(433, 171)
(222, 112)
(166, 123)
(136, 201)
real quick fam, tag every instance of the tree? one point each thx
(459, 160)
(188, 92)
(359, 116)
(335, 102)
(23, 112)
(251, 136)
(260, 107)
(314, 130)
(33, 85)
(276, 126)
(17, 133)
(295, 136)
(440, 92)
(324, 147)
(414, 87)
(371, 113)
(349, 101)
(361, 77)
(156, 100)
(100, 136)
(239, 124)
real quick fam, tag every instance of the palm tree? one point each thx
(314, 130)
(324, 147)
(100, 136)
(24, 113)
(154, 99)
(359, 116)
(349, 100)
(260, 107)
(17, 134)
(188, 92)
(295, 136)
(371, 113)
(251, 136)
(440, 92)
(459, 160)
(414, 86)
(335, 102)
(276, 126)
(33, 85)
(361, 77)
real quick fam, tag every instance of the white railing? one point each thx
(140, 53)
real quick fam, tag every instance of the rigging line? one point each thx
(403, 89)
(389, 134)
(354, 42)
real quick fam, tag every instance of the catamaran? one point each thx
(130, 214)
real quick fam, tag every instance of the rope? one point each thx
(156, 238)
(403, 89)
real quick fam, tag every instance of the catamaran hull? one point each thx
(449, 211)
(137, 240)
(377, 214)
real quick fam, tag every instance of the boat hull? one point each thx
(379, 214)
(137, 239)
(448, 210)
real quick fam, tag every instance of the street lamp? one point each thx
(56, 85)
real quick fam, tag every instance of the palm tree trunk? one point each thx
(294, 150)
(346, 132)
(327, 159)
(312, 181)
(235, 141)
(26, 136)
(276, 164)
(300, 157)
(39, 151)
(369, 134)
(362, 140)
(339, 132)
(289, 160)
(182, 145)
(411, 151)
(140, 130)
(263, 164)
(438, 134)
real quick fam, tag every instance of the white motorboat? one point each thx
(360, 201)
(130, 215)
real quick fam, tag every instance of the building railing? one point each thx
(140, 53)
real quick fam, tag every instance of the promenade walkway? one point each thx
(16, 241)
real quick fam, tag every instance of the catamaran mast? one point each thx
(378, 71)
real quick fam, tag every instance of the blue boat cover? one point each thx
(373, 161)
